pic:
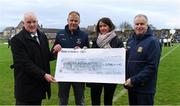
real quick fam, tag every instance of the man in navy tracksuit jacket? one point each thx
(143, 55)
(72, 37)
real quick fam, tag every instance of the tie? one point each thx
(36, 38)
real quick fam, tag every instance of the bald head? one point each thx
(30, 22)
(29, 15)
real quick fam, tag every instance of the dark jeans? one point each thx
(140, 98)
(78, 88)
(19, 102)
(96, 90)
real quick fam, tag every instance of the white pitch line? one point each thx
(123, 91)
(169, 52)
(2, 61)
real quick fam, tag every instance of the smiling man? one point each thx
(31, 63)
(143, 56)
(71, 37)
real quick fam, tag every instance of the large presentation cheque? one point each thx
(91, 65)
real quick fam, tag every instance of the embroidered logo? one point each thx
(78, 41)
(140, 49)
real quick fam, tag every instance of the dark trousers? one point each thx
(78, 88)
(140, 98)
(19, 102)
(96, 90)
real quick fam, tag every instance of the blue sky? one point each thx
(53, 13)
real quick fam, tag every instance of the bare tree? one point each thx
(152, 27)
(125, 26)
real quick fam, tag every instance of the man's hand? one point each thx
(128, 83)
(57, 48)
(77, 47)
(49, 78)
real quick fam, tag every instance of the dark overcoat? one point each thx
(31, 62)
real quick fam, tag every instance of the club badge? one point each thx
(140, 49)
(78, 41)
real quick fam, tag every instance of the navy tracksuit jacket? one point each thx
(143, 56)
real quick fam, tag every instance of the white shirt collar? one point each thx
(34, 34)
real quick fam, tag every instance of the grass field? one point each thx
(168, 84)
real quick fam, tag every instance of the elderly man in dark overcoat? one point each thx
(31, 57)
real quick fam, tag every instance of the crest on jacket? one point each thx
(78, 41)
(140, 49)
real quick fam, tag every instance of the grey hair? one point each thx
(141, 15)
(75, 12)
